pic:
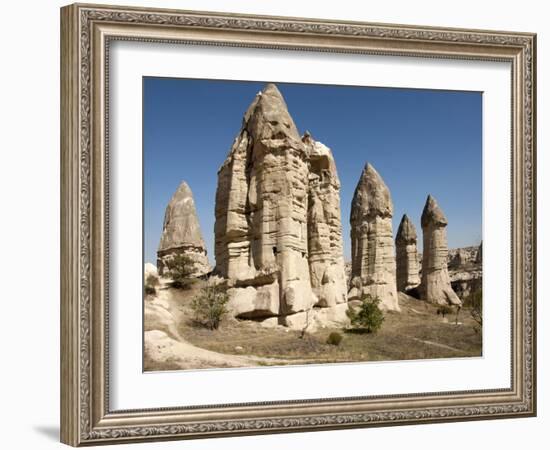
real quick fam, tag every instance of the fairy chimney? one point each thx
(407, 269)
(436, 284)
(372, 246)
(261, 213)
(181, 233)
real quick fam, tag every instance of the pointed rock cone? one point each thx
(261, 214)
(436, 284)
(371, 197)
(181, 232)
(407, 271)
(372, 246)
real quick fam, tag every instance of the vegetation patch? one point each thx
(367, 317)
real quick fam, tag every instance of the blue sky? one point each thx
(420, 141)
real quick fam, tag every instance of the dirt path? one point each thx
(436, 344)
(165, 346)
(180, 354)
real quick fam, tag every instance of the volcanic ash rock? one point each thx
(325, 246)
(407, 269)
(261, 213)
(181, 233)
(372, 246)
(436, 284)
(465, 270)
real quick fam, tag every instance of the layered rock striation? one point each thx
(373, 268)
(275, 207)
(181, 233)
(407, 268)
(325, 244)
(435, 286)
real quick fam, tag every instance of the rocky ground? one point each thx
(173, 341)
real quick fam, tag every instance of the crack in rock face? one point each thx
(278, 233)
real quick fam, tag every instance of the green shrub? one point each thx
(368, 316)
(180, 269)
(334, 338)
(209, 306)
(152, 280)
(150, 284)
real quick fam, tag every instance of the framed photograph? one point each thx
(276, 224)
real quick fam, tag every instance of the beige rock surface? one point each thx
(407, 269)
(261, 205)
(164, 346)
(372, 245)
(157, 315)
(278, 237)
(150, 270)
(325, 245)
(436, 284)
(465, 270)
(181, 232)
(316, 318)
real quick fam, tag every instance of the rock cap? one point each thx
(406, 233)
(267, 116)
(181, 225)
(372, 197)
(432, 214)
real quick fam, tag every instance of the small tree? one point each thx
(210, 306)
(443, 310)
(475, 302)
(152, 280)
(458, 308)
(368, 316)
(150, 284)
(180, 269)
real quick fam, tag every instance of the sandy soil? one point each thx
(173, 341)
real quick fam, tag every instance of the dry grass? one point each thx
(415, 333)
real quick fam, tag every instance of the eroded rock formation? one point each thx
(181, 233)
(436, 284)
(407, 269)
(278, 233)
(465, 270)
(325, 246)
(372, 246)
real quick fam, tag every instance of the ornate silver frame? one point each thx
(86, 31)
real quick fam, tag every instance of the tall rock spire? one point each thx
(181, 232)
(325, 246)
(407, 272)
(278, 226)
(261, 213)
(436, 284)
(372, 247)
